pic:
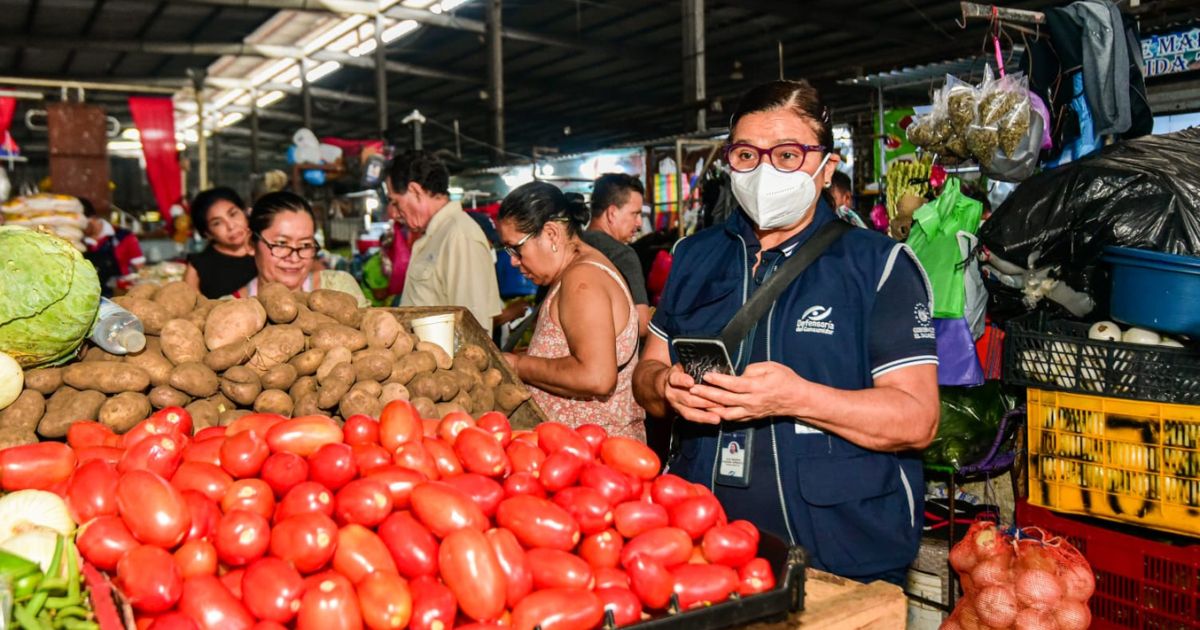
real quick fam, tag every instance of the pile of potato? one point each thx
(283, 352)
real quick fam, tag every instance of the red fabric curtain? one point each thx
(155, 120)
(8, 105)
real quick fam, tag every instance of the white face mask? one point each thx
(775, 199)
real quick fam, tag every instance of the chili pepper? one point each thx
(77, 624)
(77, 611)
(14, 566)
(73, 597)
(56, 562)
(23, 587)
(37, 602)
(25, 620)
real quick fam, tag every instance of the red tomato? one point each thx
(755, 577)
(525, 457)
(670, 489)
(260, 423)
(470, 569)
(209, 433)
(150, 579)
(703, 584)
(364, 502)
(412, 545)
(92, 491)
(305, 540)
(518, 580)
(487, 493)
(552, 568)
(252, 495)
(206, 600)
(368, 457)
(104, 541)
(668, 546)
(729, 545)
(695, 515)
(268, 625)
(173, 621)
(634, 517)
(497, 424)
(84, 433)
(399, 423)
(282, 471)
(385, 601)
(602, 549)
(35, 466)
(523, 483)
(196, 557)
(205, 514)
(452, 424)
(625, 606)
(204, 478)
(629, 456)
(749, 528)
(443, 457)
(305, 497)
(175, 418)
(443, 509)
(107, 454)
(232, 579)
(303, 435)
(587, 506)
(332, 466)
(276, 591)
(558, 609)
(554, 437)
(160, 454)
(413, 456)
(538, 523)
(434, 606)
(153, 510)
(595, 436)
(429, 427)
(651, 582)
(208, 451)
(399, 481)
(361, 552)
(242, 537)
(560, 470)
(616, 487)
(610, 577)
(243, 454)
(360, 429)
(480, 453)
(329, 603)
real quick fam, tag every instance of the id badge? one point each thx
(733, 465)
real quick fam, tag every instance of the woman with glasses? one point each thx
(815, 438)
(283, 231)
(580, 361)
(227, 263)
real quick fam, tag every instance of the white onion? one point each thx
(1142, 336)
(37, 545)
(1168, 342)
(1104, 331)
(25, 510)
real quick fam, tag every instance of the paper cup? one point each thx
(437, 329)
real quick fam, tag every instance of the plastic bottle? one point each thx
(117, 331)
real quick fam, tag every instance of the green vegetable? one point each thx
(48, 307)
(969, 421)
(16, 567)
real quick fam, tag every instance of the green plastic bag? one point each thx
(934, 239)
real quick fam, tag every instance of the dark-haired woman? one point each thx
(283, 230)
(227, 263)
(816, 438)
(584, 349)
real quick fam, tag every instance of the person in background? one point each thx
(841, 196)
(283, 231)
(115, 252)
(452, 262)
(227, 263)
(616, 219)
(584, 349)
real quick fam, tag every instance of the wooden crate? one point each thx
(836, 603)
(528, 415)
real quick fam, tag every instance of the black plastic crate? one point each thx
(1057, 355)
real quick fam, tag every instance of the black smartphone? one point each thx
(699, 356)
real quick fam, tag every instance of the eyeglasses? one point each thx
(788, 157)
(307, 251)
(514, 250)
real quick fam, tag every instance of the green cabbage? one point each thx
(49, 296)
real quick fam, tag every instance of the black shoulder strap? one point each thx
(758, 304)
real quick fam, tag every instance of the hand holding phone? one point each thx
(699, 356)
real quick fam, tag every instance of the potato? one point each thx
(333, 357)
(229, 355)
(464, 400)
(447, 386)
(24, 413)
(403, 344)
(178, 298)
(66, 407)
(199, 315)
(241, 385)
(166, 396)
(335, 385)
(339, 336)
(182, 342)
(276, 344)
(204, 414)
(336, 304)
(307, 406)
(443, 360)
(121, 412)
(468, 379)
(145, 291)
(15, 437)
(509, 397)
(483, 400)
(426, 386)
(96, 353)
(281, 307)
(427, 408)
(359, 401)
(393, 391)
(309, 321)
(195, 379)
(44, 381)
(471, 354)
(109, 377)
(381, 328)
(227, 417)
(492, 378)
(279, 377)
(303, 387)
(371, 387)
(444, 409)
(407, 368)
(274, 401)
(373, 365)
(152, 314)
(307, 362)
(232, 320)
(151, 360)
(221, 403)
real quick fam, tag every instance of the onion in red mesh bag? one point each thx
(1073, 615)
(1039, 589)
(992, 572)
(997, 606)
(1034, 619)
(1078, 581)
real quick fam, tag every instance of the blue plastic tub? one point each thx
(1155, 290)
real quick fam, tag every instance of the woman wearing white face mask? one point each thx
(815, 440)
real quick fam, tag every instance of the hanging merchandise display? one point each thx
(934, 239)
(155, 120)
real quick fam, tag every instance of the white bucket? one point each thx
(437, 329)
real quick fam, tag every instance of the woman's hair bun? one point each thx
(577, 210)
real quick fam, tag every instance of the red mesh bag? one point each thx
(1026, 580)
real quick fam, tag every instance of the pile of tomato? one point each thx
(273, 522)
